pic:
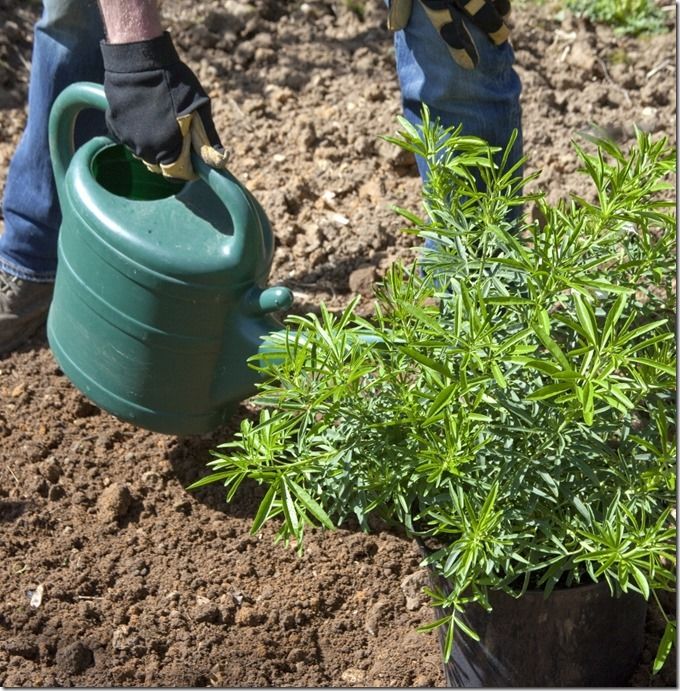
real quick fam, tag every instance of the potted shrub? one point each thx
(511, 404)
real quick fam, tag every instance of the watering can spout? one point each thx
(269, 300)
(159, 299)
(247, 331)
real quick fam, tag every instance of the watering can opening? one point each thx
(115, 169)
(120, 173)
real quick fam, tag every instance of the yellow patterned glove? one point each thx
(157, 107)
(447, 17)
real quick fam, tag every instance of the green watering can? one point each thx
(160, 294)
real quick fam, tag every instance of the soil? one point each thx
(112, 574)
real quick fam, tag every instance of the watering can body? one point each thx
(160, 296)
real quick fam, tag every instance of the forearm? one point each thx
(126, 21)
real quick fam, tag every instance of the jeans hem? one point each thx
(26, 274)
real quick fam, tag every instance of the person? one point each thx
(455, 58)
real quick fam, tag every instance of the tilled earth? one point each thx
(111, 573)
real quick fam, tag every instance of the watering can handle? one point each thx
(82, 95)
(70, 102)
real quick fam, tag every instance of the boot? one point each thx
(23, 308)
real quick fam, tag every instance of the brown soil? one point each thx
(145, 584)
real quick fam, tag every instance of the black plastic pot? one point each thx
(577, 637)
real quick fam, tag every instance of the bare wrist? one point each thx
(128, 21)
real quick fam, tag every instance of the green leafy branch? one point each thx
(512, 400)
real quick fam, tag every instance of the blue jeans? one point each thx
(65, 50)
(485, 101)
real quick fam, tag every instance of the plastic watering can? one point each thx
(160, 296)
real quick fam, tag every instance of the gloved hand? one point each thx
(157, 107)
(447, 17)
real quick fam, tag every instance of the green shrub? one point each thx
(513, 398)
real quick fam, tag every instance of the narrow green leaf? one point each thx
(588, 403)
(448, 640)
(311, 505)
(289, 508)
(498, 375)
(427, 361)
(466, 629)
(510, 300)
(209, 479)
(586, 318)
(550, 481)
(542, 366)
(479, 417)
(640, 331)
(617, 392)
(606, 287)
(427, 319)
(613, 317)
(264, 509)
(667, 641)
(544, 319)
(581, 508)
(640, 580)
(549, 391)
(544, 335)
(661, 366)
(614, 403)
(409, 216)
(430, 626)
(442, 398)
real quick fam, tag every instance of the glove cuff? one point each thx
(140, 56)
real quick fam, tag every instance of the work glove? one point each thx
(157, 107)
(447, 17)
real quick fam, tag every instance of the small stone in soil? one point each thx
(57, 492)
(362, 280)
(74, 658)
(412, 587)
(114, 502)
(207, 612)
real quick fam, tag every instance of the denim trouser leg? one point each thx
(484, 100)
(65, 50)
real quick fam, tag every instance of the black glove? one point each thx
(447, 17)
(157, 107)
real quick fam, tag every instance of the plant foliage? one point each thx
(632, 17)
(513, 398)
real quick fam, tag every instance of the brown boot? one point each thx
(23, 308)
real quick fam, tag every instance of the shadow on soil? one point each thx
(189, 457)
